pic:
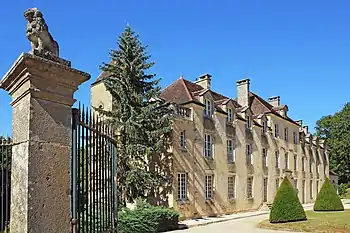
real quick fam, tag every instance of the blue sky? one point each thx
(297, 49)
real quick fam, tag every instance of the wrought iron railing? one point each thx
(93, 164)
(5, 182)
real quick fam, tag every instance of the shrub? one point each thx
(328, 199)
(342, 189)
(146, 218)
(286, 206)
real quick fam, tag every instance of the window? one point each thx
(303, 163)
(264, 157)
(277, 184)
(209, 187)
(231, 187)
(264, 127)
(250, 187)
(286, 161)
(311, 189)
(207, 110)
(317, 183)
(230, 154)
(229, 115)
(208, 149)
(295, 184)
(295, 138)
(249, 122)
(265, 190)
(286, 134)
(277, 156)
(182, 186)
(183, 139)
(277, 133)
(249, 154)
(295, 162)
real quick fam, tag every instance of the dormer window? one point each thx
(249, 122)
(229, 115)
(277, 132)
(208, 109)
(264, 126)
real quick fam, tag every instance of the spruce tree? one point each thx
(142, 120)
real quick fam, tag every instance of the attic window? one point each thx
(229, 115)
(208, 108)
(249, 122)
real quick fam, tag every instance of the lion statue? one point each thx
(38, 34)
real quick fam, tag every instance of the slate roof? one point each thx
(183, 91)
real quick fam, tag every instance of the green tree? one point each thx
(328, 199)
(142, 120)
(335, 129)
(286, 206)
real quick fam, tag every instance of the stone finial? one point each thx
(39, 36)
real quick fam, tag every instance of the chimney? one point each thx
(306, 129)
(243, 92)
(204, 81)
(274, 101)
(299, 122)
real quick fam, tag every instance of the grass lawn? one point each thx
(321, 222)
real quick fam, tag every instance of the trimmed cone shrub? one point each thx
(328, 199)
(286, 206)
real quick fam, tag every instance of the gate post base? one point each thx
(42, 96)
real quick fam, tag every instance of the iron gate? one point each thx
(5, 182)
(93, 169)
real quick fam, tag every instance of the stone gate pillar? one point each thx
(42, 96)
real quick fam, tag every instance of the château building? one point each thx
(230, 155)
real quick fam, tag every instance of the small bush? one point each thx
(146, 218)
(286, 206)
(342, 189)
(328, 199)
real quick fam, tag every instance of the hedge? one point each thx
(286, 206)
(328, 199)
(146, 218)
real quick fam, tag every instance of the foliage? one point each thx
(147, 218)
(335, 129)
(142, 120)
(328, 199)
(342, 190)
(286, 206)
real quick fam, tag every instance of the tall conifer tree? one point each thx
(142, 120)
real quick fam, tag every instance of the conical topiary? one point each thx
(286, 206)
(328, 199)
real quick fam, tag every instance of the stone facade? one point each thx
(231, 154)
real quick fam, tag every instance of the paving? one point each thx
(240, 222)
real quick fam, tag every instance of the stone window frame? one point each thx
(230, 151)
(265, 189)
(183, 140)
(295, 138)
(277, 159)
(208, 108)
(249, 154)
(231, 187)
(264, 157)
(286, 134)
(250, 187)
(230, 115)
(248, 122)
(264, 126)
(208, 146)
(209, 186)
(277, 131)
(182, 186)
